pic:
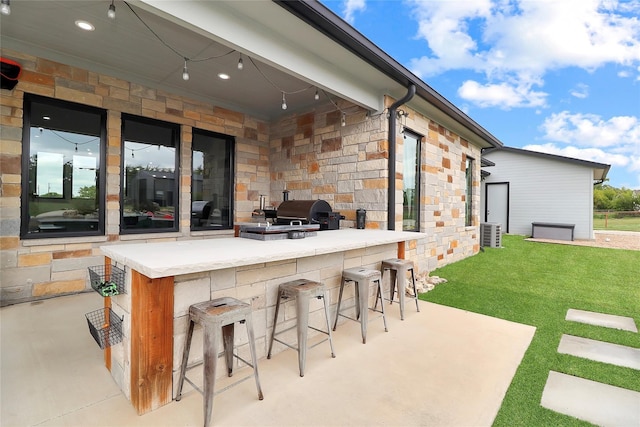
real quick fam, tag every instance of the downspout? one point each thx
(391, 210)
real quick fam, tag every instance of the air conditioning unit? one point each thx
(491, 234)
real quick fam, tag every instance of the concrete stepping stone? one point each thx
(600, 319)
(601, 404)
(600, 351)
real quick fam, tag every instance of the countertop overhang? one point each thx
(164, 259)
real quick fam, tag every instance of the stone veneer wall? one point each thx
(311, 152)
(348, 167)
(40, 268)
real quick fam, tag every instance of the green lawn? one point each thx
(628, 223)
(535, 284)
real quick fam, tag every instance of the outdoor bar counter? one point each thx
(163, 279)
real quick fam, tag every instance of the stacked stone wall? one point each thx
(41, 268)
(312, 152)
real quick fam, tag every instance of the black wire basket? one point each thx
(105, 327)
(105, 283)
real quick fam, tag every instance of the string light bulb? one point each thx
(343, 121)
(284, 102)
(240, 63)
(111, 12)
(5, 7)
(185, 71)
(317, 95)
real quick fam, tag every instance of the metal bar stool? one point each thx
(397, 270)
(302, 290)
(215, 316)
(363, 278)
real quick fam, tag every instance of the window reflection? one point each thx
(150, 182)
(411, 183)
(211, 181)
(49, 175)
(62, 177)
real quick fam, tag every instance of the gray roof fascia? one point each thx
(594, 165)
(324, 20)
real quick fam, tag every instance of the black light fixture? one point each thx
(5, 7)
(111, 12)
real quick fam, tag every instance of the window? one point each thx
(411, 183)
(150, 183)
(63, 169)
(211, 181)
(468, 193)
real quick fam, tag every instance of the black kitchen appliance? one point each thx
(308, 212)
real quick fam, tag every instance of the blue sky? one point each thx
(557, 76)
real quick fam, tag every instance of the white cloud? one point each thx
(580, 91)
(589, 154)
(615, 141)
(522, 40)
(592, 130)
(351, 7)
(502, 95)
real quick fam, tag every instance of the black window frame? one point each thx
(230, 148)
(28, 100)
(175, 138)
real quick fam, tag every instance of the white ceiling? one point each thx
(264, 32)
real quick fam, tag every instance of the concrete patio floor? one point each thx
(442, 366)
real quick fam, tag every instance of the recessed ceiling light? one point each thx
(224, 76)
(84, 25)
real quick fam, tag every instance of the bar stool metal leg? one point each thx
(254, 357)
(415, 290)
(227, 342)
(326, 316)
(275, 320)
(335, 324)
(302, 329)
(379, 295)
(362, 291)
(185, 359)
(400, 283)
(210, 363)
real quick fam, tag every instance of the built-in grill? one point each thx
(308, 212)
(295, 219)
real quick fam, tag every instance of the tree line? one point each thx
(606, 197)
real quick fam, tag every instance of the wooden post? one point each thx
(151, 342)
(401, 254)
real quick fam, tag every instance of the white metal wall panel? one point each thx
(544, 190)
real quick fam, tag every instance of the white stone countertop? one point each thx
(165, 259)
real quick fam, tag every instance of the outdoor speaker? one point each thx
(10, 71)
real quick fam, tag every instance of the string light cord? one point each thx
(70, 141)
(186, 58)
(291, 92)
